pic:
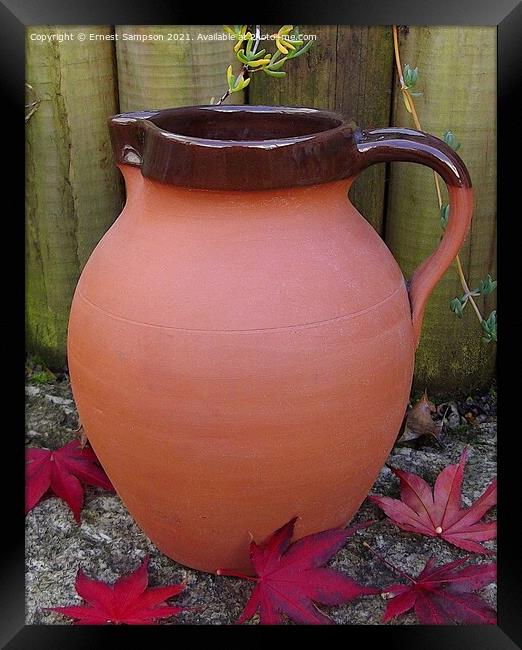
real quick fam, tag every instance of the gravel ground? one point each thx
(108, 543)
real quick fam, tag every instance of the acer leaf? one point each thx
(419, 421)
(438, 513)
(61, 471)
(127, 601)
(291, 578)
(442, 595)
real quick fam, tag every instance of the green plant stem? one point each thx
(244, 69)
(466, 288)
(224, 96)
(413, 111)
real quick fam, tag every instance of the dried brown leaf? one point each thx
(80, 433)
(419, 421)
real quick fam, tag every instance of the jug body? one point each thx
(241, 356)
(240, 360)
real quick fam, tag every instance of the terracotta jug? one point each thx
(241, 341)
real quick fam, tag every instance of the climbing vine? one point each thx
(408, 77)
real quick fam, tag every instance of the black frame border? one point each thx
(15, 15)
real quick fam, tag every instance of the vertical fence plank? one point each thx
(310, 79)
(349, 70)
(180, 68)
(73, 192)
(364, 91)
(457, 78)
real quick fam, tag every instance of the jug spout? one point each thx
(127, 132)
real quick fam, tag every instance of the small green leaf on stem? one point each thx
(457, 307)
(273, 73)
(410, 76)
(284, 40)
(487, 285)
(276, 65)
(450, 139)
(236, 84)
(489, 325)
(301, 50)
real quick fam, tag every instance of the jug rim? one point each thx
(236, 146)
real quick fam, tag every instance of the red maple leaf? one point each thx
(438, 513)
(126, 601)
(442, 595)
(61, 471)
(291, 577)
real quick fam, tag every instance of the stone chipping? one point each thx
(108, 543)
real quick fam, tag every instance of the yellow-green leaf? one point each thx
(258, 63)
(273, 73)
(288, 43)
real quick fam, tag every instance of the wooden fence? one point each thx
(74, 192)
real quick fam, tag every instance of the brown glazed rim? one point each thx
(250, 147)
(244, 147)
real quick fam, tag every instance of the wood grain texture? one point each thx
(349, 70)
(182, 69)
(457, 78)
(73, 191)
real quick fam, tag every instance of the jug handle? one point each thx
(408, 145)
